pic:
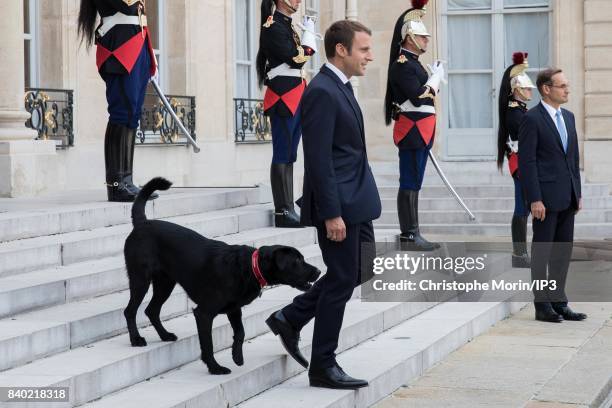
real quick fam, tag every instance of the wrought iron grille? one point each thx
(251, 125)
(158, 127)
(51, 114)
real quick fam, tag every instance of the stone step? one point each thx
(49, 331)
(456, 179)
(266, 364)
(392, 166)
(506, 190)
(392, 358)
(485, 217)
(64, 284)
(581, 230)
(111, 365)
(28, 218)
(32, 254)
(487, 203)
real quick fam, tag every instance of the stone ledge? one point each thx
(29, 167)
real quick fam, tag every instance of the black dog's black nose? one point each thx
(316, 275)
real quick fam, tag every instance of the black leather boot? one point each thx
(281, 179)
(119, 143)
(520, 257)
(408, 212)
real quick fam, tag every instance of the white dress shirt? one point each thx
(553, 115)
(337, 71)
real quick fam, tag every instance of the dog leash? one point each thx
(205, 187)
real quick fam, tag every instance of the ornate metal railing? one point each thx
(157, 127)
(52, 114)
(251, 125)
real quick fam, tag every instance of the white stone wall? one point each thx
(598, 90)
(200, 56)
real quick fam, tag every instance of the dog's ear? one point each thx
(280, 257)
(285, 257)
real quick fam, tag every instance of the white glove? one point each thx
(309, 36)
(438, 66)
(308, 24)
(513, 145)
(434, 82)
(155, 76)
(437, 75)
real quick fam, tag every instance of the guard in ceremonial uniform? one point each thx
(126, 62)
(410, 103)
(280, 59)
(515, 90)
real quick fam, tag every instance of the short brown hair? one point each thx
(545, 77)
(342, 32)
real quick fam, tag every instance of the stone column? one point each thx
(598, 90)
(352, 14)
(19, 152)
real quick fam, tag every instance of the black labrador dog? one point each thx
(218, 277)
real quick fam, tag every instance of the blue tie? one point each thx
(562, 130)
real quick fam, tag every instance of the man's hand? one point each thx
(579, 205)
(538, 210)
(336, 230)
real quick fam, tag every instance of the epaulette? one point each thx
(301, 57)
(513, 104)
(402, 59)
(269, 22)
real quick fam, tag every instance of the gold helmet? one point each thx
(518, 77)
(413, 21)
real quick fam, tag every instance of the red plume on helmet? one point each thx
(419, 4)
(519, 57)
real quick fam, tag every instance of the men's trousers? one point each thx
(327, 298)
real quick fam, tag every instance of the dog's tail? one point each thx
(138, 209)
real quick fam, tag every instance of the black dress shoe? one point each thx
(334, 377)
(521, 261)
(569, 314)
(548, 315)
(288, 335)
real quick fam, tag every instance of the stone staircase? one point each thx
(490, 196)
(63, 290)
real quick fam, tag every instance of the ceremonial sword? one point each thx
(164, 100)
(450, 187)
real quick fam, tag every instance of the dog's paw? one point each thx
(219, 370)
(169, 337)
(237, 355)
(138, 342)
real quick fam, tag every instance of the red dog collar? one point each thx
(256, 270)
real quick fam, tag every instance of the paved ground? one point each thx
(522, 363)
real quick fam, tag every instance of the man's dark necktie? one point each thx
(349, 86)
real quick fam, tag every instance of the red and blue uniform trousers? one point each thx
(285, 119)
(413, 134)
(521, 209)
(286, 135)
(125, 93)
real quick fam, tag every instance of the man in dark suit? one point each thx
(549, 168)
(340, 199)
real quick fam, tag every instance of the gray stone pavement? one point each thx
(522, 363)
